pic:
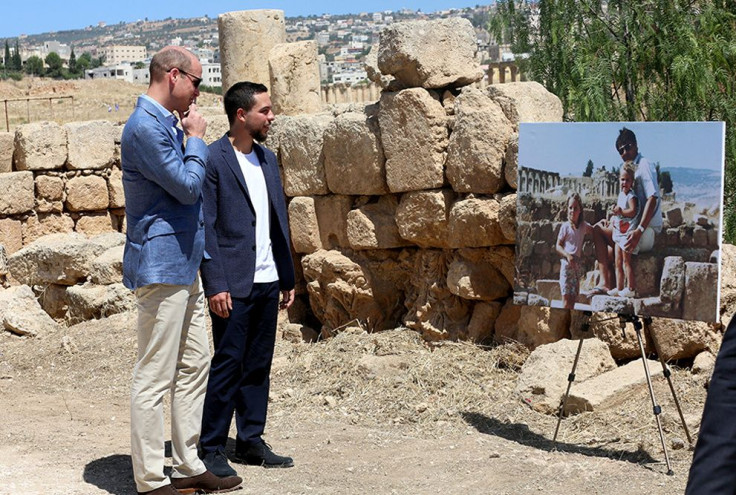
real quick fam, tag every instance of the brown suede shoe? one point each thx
(207, 483)
(163, 490)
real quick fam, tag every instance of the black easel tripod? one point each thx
(665, 370)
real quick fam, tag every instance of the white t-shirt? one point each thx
(253, 174)
(645, 186)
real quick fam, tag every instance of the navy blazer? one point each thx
(230, 233)
(164, 241)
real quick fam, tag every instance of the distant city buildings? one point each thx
(119, 54)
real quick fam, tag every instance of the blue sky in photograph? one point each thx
(566, 147)
(40, 16)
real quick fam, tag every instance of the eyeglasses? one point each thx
(195, 80)
(623, 149)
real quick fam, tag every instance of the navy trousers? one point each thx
(241, 366)
(714, 463)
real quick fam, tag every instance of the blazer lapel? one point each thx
(232, 161)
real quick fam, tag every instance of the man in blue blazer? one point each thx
(164, 246)
(247, 238)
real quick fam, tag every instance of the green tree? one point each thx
(17, 63)
(73, 69)
(55, 65)
(658, 60)
(34, 66)
(83, 62)
(6, 58)
(588, 169)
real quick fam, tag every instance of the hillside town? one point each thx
(123, 50)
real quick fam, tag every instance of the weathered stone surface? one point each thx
(542, 325)
(543, 378)
(332, 217)
(3, 261)
(421, 217)
(477, 144)
(294, 73)
(373, 226)
(21, 314)
(606, 327)
(672, 284)
(677, 339)
(91, 144)
(701, 296)
(17, 193)
(474, 222)
(49, 194)
(674, 217)
(108, 240)
(88, 302)
(370, 63)
(107, 268)
(727, 256)
(301, 140)
(11, 234)
(259, 31)
(432, 309)
(507, 323)
(507, 217)
(87, 193)
(218, 125)
(430, 54)
(40, 146)
(297, 333)
(704, 363)
(6, 152)
(527, 102)
(354, 159)
(483, 320)
(414, 136)
(44, 224)
(549, 289)
(54, 259)
(511, 161)
(54, 301)
(476, 280)
(610, 389)
(115, 192)
(610, 304)
(94, 223)
(303, 224)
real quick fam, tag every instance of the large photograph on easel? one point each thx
(621, 217)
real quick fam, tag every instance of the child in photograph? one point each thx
(624, 220)
(570, 248)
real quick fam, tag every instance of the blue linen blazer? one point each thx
(164, 243)
(230, 223)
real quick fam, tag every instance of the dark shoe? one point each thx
(163, 490)
(207, 483)
(216, 463)
(260, 454)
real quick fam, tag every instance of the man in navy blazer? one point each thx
(247, 238)
(164, 246)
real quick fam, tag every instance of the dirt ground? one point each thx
(360, 413)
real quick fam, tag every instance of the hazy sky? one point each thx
(40, 16)
(566, 148)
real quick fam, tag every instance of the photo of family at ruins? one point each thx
(620, 217)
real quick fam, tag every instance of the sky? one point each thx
(566, 148)
(40, 16)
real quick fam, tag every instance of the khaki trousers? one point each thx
(173, 356)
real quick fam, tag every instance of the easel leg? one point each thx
(656, 408)
(571, 376)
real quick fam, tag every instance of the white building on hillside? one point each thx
(119, 54)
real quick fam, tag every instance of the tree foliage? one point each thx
(649, 60)
(34, 66)
(589, 169)
(55, 65)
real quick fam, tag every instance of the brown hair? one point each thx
(575, 196)
(168, 58)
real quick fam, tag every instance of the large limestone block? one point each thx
(54, 259)
(678, 339)
(44, 224)
(6, 152)
(422, 217)
(303, 224)
(246, 39)
(606, 327)
(474, 222)
(611, 389)
(17, 193)
(92, 224)
(115, 188)
(54, 301)
(88, 302)
(11, 234)
(727, 256)
(430, 54)
(433, 310)
(527, 102)
(40, 146)
(478, 142)
(91, 144)
(672, 284)
(542, 325)
(87, 193)
(511, 161)
(3, 261)
(373, 226)
(332, 217)
(107, 268)
(543, 378)
(49, 194)
(354, 157)
(701, 292)
(414, 135)
(506, 328)
(476, 280)
(507, 217)
(482, 321)
(294, 74)
(301, 142)
(108, 240)
(21, 314)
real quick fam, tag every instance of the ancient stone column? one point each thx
(246, 39)
(295, 84)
